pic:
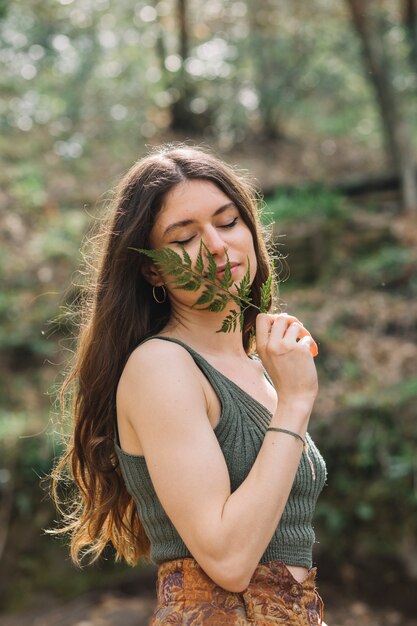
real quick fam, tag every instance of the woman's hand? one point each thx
(286, 349)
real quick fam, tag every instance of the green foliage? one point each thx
(371, 499)
(399, 395)
(32, 275)
(266, 295)
(73, 79)
(309, 202)
(390, 265)
(27, 186)
(27, 451)
(216, 291)
(364, 306)
(83, 91)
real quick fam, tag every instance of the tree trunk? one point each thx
(356, 185)
(161, 50)
(263, 37)
(182, 119)
(395, 127)
(410, 23)
(183, 28)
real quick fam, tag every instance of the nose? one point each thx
(214, 242)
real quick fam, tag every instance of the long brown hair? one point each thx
(118, 313)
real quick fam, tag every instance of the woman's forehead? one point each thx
(190, 200)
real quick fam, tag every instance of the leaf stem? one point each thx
(216, 291)
(219, 286)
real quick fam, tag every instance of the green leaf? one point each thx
(192, 285)
(216, 294)
(266, 294)
(199, 264)
(186, 257)
(241, 320)
(141, 250)
(184, 278)
(165, 258)
(170, 260)
(176, 272)
(217, 305)
(227, 280)
(236, 299)
(212, 267)
(229, 323)
(244, 287)
(206, 296)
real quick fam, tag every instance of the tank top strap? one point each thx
(180, 343)
(229, 393)
(220, 383)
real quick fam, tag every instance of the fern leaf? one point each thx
(266, 295)
(216, 293)
(176, 271)
(186, 257)
(165, 258)
(206, 297)
(199, 263)
(235, 299)
(192, 285)
(184, 278)
(229, 322)
(243, 288)
(217, 305)
(212, 267)
(227, 281)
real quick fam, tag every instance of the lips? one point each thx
(221, 268)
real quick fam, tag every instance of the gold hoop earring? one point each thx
(164, 296)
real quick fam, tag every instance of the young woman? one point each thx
(187, 447)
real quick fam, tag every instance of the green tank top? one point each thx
(240, 432)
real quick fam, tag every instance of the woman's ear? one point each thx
(153, 275)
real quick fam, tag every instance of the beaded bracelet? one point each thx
(303, 441)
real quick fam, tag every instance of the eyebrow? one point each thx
(182, 223)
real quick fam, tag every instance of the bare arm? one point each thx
(226, 533)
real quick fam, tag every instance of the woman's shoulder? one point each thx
(154, 359)
(163, 376)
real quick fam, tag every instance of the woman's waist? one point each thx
(298, 572)
(184, 579)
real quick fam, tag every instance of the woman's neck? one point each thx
(198, 329)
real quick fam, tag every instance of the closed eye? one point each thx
(230, 224)
(183, 241)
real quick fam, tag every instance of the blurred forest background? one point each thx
(318, 100)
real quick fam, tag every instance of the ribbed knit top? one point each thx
(240, 432)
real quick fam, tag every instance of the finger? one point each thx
(309, 341)
(290, 320)
(305, 333)
(284, 321)
(314, 348)
(263, 326)
(277, 325)
(294, 331)
(265, 322)
(286, 316)
(279, 332)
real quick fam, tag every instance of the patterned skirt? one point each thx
(187, 596)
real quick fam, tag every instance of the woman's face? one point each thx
(195, 211)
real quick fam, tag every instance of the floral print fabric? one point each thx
(187, 596)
